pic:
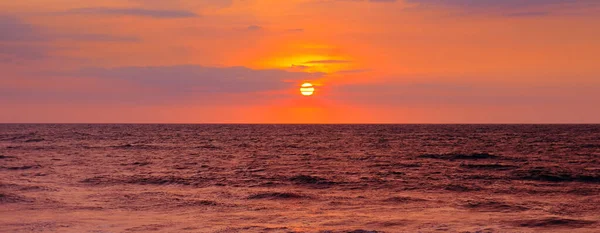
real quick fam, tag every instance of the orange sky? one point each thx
(242, 61)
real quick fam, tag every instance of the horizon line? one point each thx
(241, 123)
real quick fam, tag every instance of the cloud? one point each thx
(197, 79)
(327, 62)
(13, 29)
(374, 1)
(496, 4)
(20, 40)
(353, 1)
(295, 30)
(185, 4)
(13, 52)
(94, 37)
(134, 12)
(465, 94)
(300, 67)
(254, 28)
(159, 85)
(528, 14)
(356, 71)
(507, 8)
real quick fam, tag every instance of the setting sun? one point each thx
(307, 89)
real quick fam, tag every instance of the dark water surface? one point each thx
(299, 178)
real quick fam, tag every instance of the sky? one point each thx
(243, 61)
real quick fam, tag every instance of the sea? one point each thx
(299, 178)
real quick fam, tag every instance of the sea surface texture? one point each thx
(299, 178)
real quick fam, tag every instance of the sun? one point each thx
(307, 89)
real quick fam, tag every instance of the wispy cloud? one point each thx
(327, 62)
(374, 1)
(134, 12)
(357, 71)
(295, 30)
(423, 94)
(160, 84)
(508, 8)
(94, 37)
(14, 52)
(14, 29)
(185, 4)
(528, 14)
(20, 40)
(254, 28)
(199, 78)
(497, 4)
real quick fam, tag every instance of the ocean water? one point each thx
(299, 178)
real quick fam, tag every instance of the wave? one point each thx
(6, 198)
(7, 157)
(556, 175)
(554, 222)
(403, 199)
(278, 196)
(494, 166)
(455, 156)
(24, 167)
(494, 206)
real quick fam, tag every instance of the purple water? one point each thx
(299, 178)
